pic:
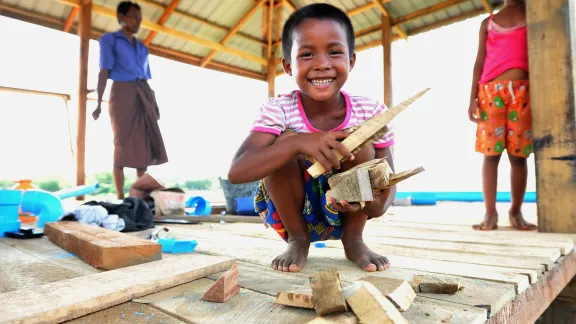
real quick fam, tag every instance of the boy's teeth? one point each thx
(321, 81)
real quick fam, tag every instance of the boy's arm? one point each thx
(261, 154)
(479, 64)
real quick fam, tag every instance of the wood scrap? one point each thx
(370, 305)
(224, 288)
(327, 293)
(398, 291)
(295, 300)
(343, 318)
(365, 134)
(100, 247)
(435, 285)
(68, 299)
(352, 185)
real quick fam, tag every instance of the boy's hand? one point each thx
(319, 147)
(343, 206)
(472, 112)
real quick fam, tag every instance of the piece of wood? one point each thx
(552, 48)
(165, 15)
(84, 30)
(353, 186)
(370, 305)
(224, 288)
(435, 285)
(327, 292)
(73, 298)
(386, 41)
(100, 247)
(366, 131)
(128, 313)
(399, 177)
(184, 303)
(399, 292)
(295, 300)
(532, 303)
(344, 318)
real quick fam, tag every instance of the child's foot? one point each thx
(293, 259)
(490, 222)
(357, 251)
(517, 221)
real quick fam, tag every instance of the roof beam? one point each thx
(234, 30)
(426, 11)
(202, 21)
(384, 12)
(70, 21)
(487, 4)
(162, 20)
(291, 6)
(176, 33)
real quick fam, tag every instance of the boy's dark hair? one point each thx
(321, 11)
(124, 7)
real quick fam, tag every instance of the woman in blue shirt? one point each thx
(133, 109)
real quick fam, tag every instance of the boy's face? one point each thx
(320, 58)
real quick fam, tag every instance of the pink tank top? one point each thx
(506, 48)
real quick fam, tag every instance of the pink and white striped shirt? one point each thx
(286, 112)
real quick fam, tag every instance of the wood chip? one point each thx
(327, 293)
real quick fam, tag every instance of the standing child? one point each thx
(304, 125)
(500, 105)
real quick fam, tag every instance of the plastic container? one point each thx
(233, 191)
(245, 206)
(201, 206)
(43, 204)
(9, 205)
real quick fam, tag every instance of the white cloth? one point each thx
(98, 215)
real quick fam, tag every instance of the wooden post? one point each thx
(552, 57)
(387, 52)
(271, 71)
(84, 30)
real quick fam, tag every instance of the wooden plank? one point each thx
(102, 248)
(552, 48)
(260, 251)
(20, 270)
(218, 218)
(388, 231)
(184, 303)
(127, 313)
(533, 302)
(73, 298)
(519, 257)
(165, 15)
(386, 39)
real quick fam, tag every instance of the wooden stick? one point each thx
(366, 131)
(295, 300)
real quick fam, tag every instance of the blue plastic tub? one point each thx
(245, 206)
(9, 203)
(201, 206)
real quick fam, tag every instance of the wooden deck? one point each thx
(508, 276)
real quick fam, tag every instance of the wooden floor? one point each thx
(508, 276)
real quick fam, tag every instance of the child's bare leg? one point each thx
(489, 184)
(353, 227)
(286, 189)
(518, 178)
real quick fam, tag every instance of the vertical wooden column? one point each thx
(271, 71)
(84, 31)
(552, 57)
(387, 53)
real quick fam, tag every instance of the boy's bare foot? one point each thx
(517, 221)
(490, 222)
(357, 251)
(293, 259)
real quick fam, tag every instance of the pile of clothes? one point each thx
(131, 215)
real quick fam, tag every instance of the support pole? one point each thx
(387, 53)
(271, 72)
(84, 30)
(552, 58)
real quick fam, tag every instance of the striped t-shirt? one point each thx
(286, 112)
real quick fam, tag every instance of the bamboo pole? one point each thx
(84, 31)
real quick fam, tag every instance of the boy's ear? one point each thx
(287, 67)
(352, 61)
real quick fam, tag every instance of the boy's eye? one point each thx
(335, 52)
(307, 54)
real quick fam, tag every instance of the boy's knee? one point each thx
(517, 161)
